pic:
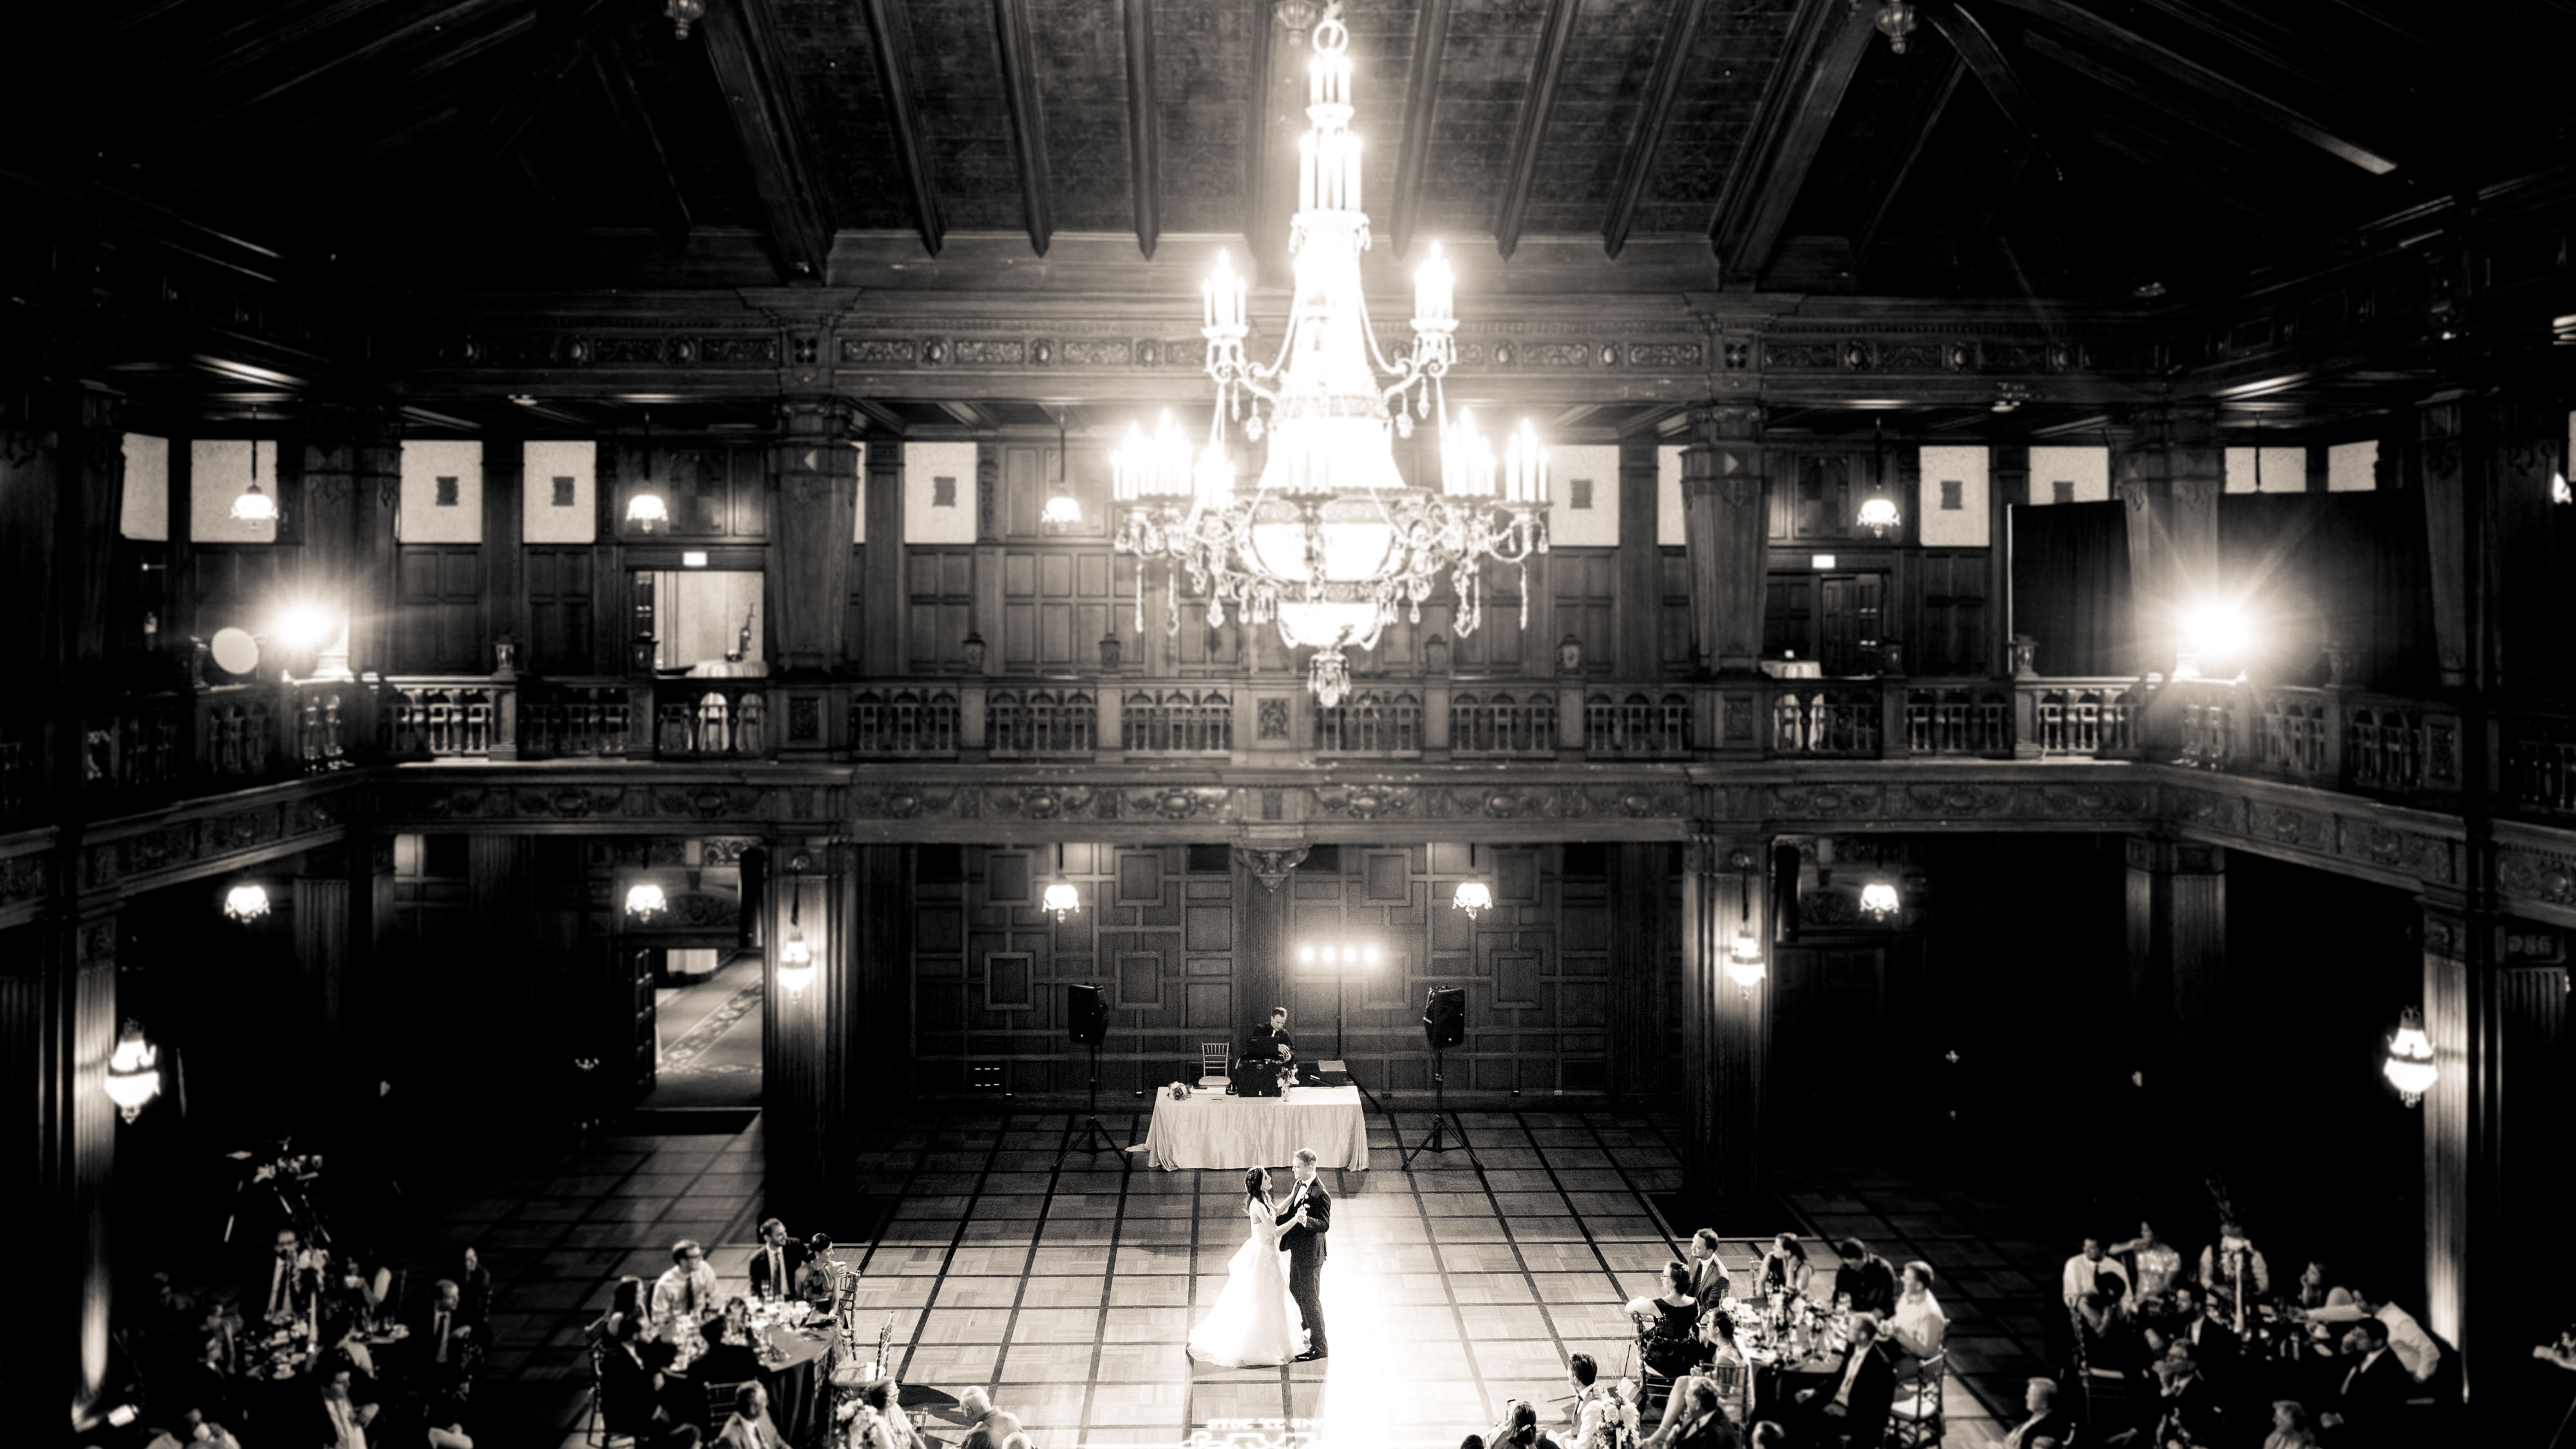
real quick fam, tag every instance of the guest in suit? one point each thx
(1310, 1207)
(1869, 1279)
(748, 1426)
(2040, 1417)
(2187, 1410)
(339, 1421)
(1859, 1405)
(1277, 1030)
(444, 1343)
(631, 1390)
(1708, 1280)
(473, 1283)
(207, 1383)
(775, 1261)
(285, 1286)
(2213, 1343)
(2373, 1393)
(688, 1287)
(733, 1350)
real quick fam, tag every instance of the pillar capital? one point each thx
(1724, 422)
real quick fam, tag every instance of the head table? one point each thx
(1211, 1129)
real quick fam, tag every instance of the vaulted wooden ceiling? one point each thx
(2046, 147)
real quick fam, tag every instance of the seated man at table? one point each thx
(339, 1420)
(444, 1344)
(2373, 1392)
(2084, 1271)
(748, 1427)
(733, 1349)
(775, 1261)
(2406, 1338)
(1857, 1406)
(2040, 1419)
(632, 1391)
(688, 1287)
(2212, 1342)
(1867, 1277)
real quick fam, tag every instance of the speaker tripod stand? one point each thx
(1443, 1121)
(1094, 1139)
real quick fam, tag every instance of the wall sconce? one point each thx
(1878, 510)
(644, 900)
(253, 506)
(645, 507)
(1744, 958)
(134, 1072)
(1878, 900)
(1062, 512)
(246, 902)
(795, 957)
(1061, 899)
(2409, 1067)
(1472, 896)
(1337, 953)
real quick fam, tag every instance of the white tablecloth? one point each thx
(1211, 1129)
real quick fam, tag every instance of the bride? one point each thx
(1254, 1321)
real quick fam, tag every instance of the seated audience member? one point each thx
(1600, 1415)
(473, 1283)
(2040, 1419)
(1001, 1430)
(1868, 1279)
(1709, 1283)
(2233, 1268)
(2290, 1427)
(626, 1302)
(2406, 1338)
(1717, 1339)
(339, 1420)
(2158, 1263)
(2210, 1340)
(1859, 1403)
(881, 1424)
(2562, 1353)
(975, 1409)
(1918, 1327)
(1472, 1441)
(2372, 1392)
(733, 1350)
(355, 1291)
(444, 1343)
(819, 1281)
(2085, 1271)
(1706, 1425)
(748, 1426)
(632, 1390)
(2313, 1288)
(2186, 1408)
(688, 1287)
(1785, 1268)
(1519, 1429)
(350, 1351)
(1670, 1323)
(775, 1262)
(207, 1385)
(285, 1285)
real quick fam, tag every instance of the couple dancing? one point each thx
(1272, 1309)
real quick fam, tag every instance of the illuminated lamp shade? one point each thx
(1878, 900)
(2215, 635)
(1473, 898)
(1062, 512)
(646, 509)
(644, 900)
(1745, 961)
(254, 506)
(246, 902)
(2409, 1067)
(1061, 900)
(795, 964)
(134, 1072)
(1878, 514)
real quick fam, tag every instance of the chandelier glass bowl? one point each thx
(1332, 544)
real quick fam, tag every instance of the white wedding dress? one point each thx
(1254, 1321)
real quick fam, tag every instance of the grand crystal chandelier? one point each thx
(1333, 544)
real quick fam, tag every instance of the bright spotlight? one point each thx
(2215, 634)
(301, 626)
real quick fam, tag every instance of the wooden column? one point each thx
(1726, 1025)
(814, 471)
(984, 619)
(1640, 950)
(2007, 483)
(2177, 960)
(336, 516)
(58, 1027)
(505, 589)
(840, 1047)
(2495, 1008)
(376, 492)
(884, 590)
(1727, 525)
(2487, 459)
(2170, 479)
(1640, 606)
(1261, 893)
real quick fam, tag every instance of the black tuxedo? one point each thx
(793, 1252)
(2370, 1400)
(2190, 1412)
(1306, 1253)
(1873, 1394)
(2212, 1342)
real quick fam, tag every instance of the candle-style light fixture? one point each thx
(1744, 956)
(1472, 896)
(2409, 1067)
(1333, 544)
(246, 902)
(645, 508)
(795, 957)
(1878, 900)
(644, 900)
(134, 1072)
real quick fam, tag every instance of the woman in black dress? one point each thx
(1671, 1324)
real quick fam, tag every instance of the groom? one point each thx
(1311, 1209)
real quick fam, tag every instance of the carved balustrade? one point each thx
(324, 712)
(1823, 719)
(576, 719)
(2332, 739)
(1966, 718)
(1502, 722)
(712, 719)
(1371, 722)
(442, 717)
(2537, 758)
(1177, 721)
(17, 779)
(895, 720)
(2076, 718)
(1637, 724)
(1024, 722)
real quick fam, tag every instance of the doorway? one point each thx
(1836, 619)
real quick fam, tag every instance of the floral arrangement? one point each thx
(1180, 1091)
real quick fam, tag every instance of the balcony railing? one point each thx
(1972, 719)
(1502, 722)
(1817, 719)
(2078, 717)
(903, 722)
(1371, 722)
(440, 718)
(1637, 724)
(2329, 738)
(1177, 721)
(711, 719)
(1041, 722)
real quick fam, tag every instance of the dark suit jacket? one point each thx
(2193, 1410)
(2051, 1425)
(1871, 1284)
(628, 1390)
(2214, 1341)
(418, 1353)
(1873, 1394)
(1305, 1246)
(2372, 1400)
(795, 1254)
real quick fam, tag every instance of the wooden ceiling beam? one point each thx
(384, 43)
(751, 70)
(1144, 128)
(1421, 107)
(1646, 134)
(2245, 138)
(2202, 82)
(2258, 36)
(643, 140)
(1985, 60)
(1556, 36)
(1827, 44)
(1019, 54)
(562, 49)
(260, 37)
(1256, 130)
(1917, 136)
(903, 116)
